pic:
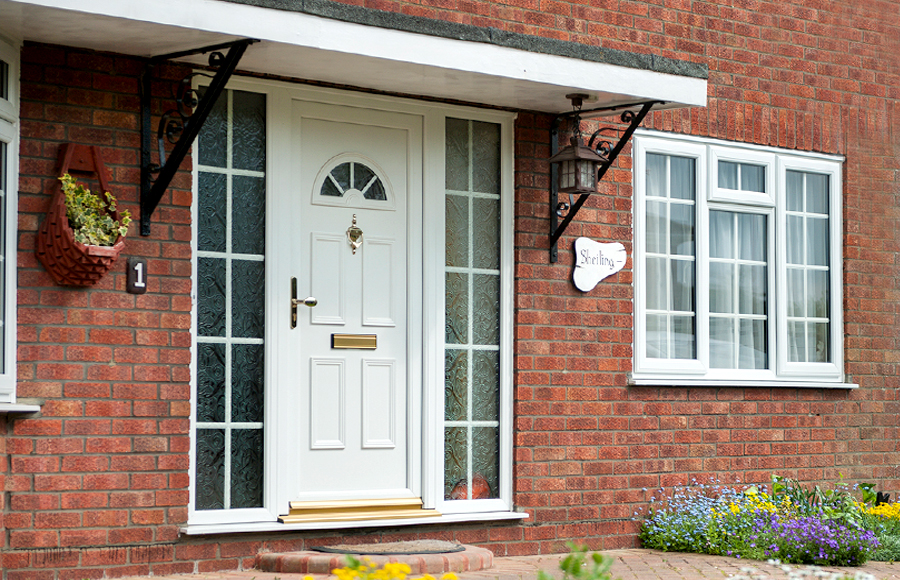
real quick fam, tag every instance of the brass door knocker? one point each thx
(354, 235)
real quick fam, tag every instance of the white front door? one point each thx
(355, 175)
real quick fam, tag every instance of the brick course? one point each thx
(97, 485)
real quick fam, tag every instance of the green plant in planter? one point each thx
(90, 216)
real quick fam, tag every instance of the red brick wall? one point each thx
(98, 484)
(106, 462)
(817, 76)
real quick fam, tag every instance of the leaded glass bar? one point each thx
(808, 267)
(671, 287)
(231, 228)
(472, 311)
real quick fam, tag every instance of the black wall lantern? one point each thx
(576, 164)
(576, 169)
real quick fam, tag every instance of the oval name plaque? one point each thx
(595, 261)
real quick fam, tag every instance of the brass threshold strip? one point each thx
(356, 510)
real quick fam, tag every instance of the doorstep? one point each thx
(308, 562)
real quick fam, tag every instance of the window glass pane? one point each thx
(794, 191)
(683, 283)
(656, 175)
(682, 229)
(657, 227)
(795, 240)
(657, 284)
(752, 237)
(817, 294)
(752, 345)
(817, 241)
(817, 193)
(721, 234)
(820, 343)
(721, 287)
(721, 343)
(684, 339)
(796, 292)
(753, 178)
(728, 175)
(683, 178)
(657, 336)
(752, 289)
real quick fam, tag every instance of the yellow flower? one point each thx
(449, 576)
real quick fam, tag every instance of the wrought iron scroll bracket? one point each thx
(179, 126)
(565, 211)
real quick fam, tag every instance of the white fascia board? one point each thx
(305, 46)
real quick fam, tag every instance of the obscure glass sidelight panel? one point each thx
(249, 131)
(247, 301)
(808, 267)
(248, 234)
(247, 372)
(210, 474)
(670, 287)
(456, 384)
(472, 314)
(211, 382)
(212, 209)
(211, 297)
(231, 230)
(246, 468)
(213, 137)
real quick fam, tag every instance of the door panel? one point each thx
(351, 169)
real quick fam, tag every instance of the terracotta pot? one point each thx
(72, 263)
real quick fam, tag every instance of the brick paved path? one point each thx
(629, 565)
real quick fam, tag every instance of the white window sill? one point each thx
(645, 380)
(18, 408)
(209, 529)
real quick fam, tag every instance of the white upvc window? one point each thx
(9, 124)
(737, 264)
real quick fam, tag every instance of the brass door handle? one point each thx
(309, 301)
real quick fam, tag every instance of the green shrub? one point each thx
(90, 216)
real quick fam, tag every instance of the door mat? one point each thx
(394, 548)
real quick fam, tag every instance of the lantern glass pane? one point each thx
(587, 176)
(567, 174)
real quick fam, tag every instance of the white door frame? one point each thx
(426, 306)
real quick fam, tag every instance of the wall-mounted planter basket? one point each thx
(72, 263)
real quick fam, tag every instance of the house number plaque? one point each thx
(136, 278)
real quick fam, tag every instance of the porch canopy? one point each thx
(330, 42)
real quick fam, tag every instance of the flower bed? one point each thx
(784, 521)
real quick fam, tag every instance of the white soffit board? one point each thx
(304, 46)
